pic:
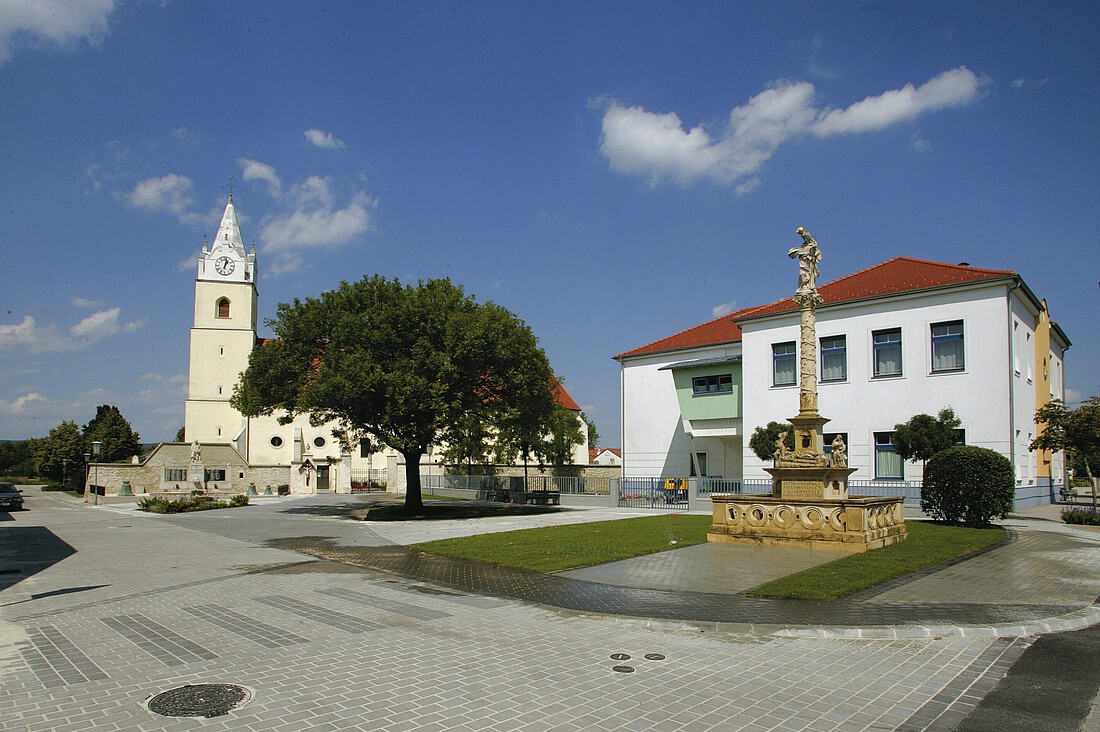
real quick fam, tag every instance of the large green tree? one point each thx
(108, 426)
(64, 443)
(1077, 431)
(924, 435)
(408, 365)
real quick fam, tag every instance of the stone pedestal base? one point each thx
(848, 524)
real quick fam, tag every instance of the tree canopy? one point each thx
(64, 443)
(407, 365)
(924, 435)
(1077, 431)
(108, 426)
(763, 439)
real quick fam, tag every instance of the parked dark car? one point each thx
(11, 498)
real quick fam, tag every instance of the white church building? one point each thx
(224, 451)
(903, 337)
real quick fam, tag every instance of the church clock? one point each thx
(224, 266)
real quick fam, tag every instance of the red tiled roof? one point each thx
(561, 396)
(593, 452)
(893, 277)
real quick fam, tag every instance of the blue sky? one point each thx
(612, 172)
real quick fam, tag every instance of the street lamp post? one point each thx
(96, 447)
(87, 462)
(64, 472)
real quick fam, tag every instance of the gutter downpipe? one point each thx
(1012, 390)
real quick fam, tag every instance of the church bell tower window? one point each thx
(223, 308)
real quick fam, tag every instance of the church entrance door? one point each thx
(322, 477)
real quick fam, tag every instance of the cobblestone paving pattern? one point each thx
(510, 667)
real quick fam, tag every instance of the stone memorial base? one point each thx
(842, 524)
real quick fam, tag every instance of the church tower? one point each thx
(223, 334)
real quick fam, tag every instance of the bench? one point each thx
(544, 498)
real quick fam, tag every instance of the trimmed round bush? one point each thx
(968, 485)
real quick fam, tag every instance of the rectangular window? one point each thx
(364, 448)
(783, 364)
(834, 358)
(887, 345)
(175, 475)
(947, 346)
(712, 384)
(214, 475)
(701, 461)
(888, 464)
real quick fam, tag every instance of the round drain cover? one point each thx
(199, 700)
(620, 657)
(623, 669)
(654, 657)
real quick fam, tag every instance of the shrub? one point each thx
(1086, 516)
(968, 485)
(238, 500)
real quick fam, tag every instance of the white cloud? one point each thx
(25, 404)
(950, 89)
(320, 138)
(1074, 397)
(187, 135)
(103, 324)
(171, 192)
(724, 309)
(29, 336)
(255, 170)
(315, 220)
(61, 23)
(85, 303)
(657, 146)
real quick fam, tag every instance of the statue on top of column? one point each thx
(809, 254)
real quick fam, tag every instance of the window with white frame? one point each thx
(722, 383)
(887, 351)
(783, 364)
(947, 347)
(888, 464)
(834, 358)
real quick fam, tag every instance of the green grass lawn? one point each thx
(555, 548)
(928, 544)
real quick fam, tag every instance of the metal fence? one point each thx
(673, 493)
(657, 493)
(368, 479)
(592, 486)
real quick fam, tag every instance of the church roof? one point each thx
(896, 276)
(229, 231)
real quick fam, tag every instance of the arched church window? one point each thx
(223, 308)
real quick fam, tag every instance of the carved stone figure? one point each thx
(840, 453)
(196, 452)
(808, 255)
(780, 447)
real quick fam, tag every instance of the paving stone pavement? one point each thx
(111, 606)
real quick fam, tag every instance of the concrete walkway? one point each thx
(101, 608)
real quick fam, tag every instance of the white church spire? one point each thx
(229, 232)
(225, 258)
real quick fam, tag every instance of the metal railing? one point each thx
(908, 488)
(592, 486)
(368, 479)
(653, 493)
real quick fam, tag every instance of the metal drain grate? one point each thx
(199, 700)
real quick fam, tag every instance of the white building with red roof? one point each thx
(903, 337)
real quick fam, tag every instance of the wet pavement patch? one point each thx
(198, 700)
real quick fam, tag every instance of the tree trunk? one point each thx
(414, 500)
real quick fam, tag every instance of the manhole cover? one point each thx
(620, 656)
(199, 700)
(623, 669)
(654, 657)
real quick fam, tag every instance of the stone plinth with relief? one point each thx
(809, 504)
